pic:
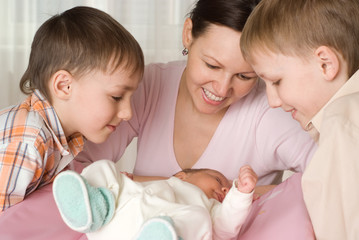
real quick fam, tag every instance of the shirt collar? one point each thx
(351, 86)
(74, 143)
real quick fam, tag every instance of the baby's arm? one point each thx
(229, 216)
(139, 178)
(247, 179)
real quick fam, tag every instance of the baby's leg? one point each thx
(87, 202)
(158, 228)
(104, 173)
(192, 222)
(83, 208)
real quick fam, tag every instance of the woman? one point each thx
(210, 111)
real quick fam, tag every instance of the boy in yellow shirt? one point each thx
(306, 51)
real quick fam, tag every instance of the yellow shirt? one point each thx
(330, 182)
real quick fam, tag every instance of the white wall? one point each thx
(156, 24)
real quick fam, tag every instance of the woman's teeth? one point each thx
(211, 96)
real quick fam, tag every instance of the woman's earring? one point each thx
(185, 52)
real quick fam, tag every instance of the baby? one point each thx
(193, 204)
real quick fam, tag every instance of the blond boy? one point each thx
(83, 68)
(307, 53)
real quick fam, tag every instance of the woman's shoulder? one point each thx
(158, 75)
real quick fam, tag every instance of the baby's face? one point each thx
(295, 84)
(212, 183)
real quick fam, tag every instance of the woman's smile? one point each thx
(211, 98)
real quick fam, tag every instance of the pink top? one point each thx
(249, 133)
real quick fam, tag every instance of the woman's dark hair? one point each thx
(229, 13)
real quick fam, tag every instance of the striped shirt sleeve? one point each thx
(19, 169)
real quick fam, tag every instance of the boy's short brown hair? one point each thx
(79, 40)
(296, 27)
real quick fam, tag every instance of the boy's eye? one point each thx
(117, 99)
(218, 180)
(244, 77)
(276, 83)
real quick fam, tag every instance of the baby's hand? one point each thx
(247, 179)
(129, 175)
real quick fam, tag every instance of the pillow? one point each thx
(279, 214)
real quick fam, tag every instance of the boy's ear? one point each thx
(187, 33)
(61, 84)
(181, 175)
(329, 62)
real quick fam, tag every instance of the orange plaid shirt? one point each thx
(33, 148)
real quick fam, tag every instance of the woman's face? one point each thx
(216, 74)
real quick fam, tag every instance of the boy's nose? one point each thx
(273, 99)
(125, 111)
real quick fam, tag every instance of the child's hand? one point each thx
(247, 179)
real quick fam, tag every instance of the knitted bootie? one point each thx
(82, 207)
(158, 228)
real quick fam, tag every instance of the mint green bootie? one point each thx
(158, 228)
(82, 207)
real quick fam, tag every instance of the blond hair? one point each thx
(297, 27)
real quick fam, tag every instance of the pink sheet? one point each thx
(279, 214)
(36, 218)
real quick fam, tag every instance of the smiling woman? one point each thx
(208, 111)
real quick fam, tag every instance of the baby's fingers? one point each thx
(247, 172)
(247, 179)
